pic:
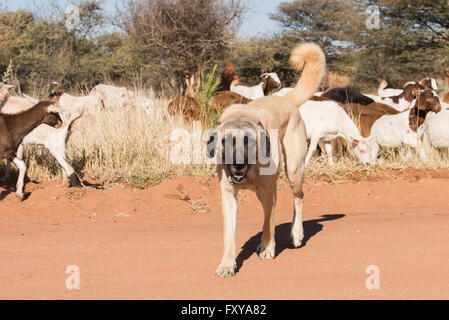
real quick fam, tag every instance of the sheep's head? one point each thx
(271, 83)
(429, 83)
(411, 91)
(428, 101)
(365, 151)
(56, 91)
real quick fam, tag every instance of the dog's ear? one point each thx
(211, 145)
(264, 142)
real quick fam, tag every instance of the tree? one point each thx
(410, 43)
(182, 36)
(331, 23)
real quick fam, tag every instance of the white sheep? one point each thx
(251, 93)
(436, 129)
(326, 121)
(283, 92)
(383, 92)
(395, 130)
(122, 97)
(400, 104)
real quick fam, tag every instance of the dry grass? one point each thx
(127, 146)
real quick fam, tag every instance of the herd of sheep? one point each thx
(69, 108)
(344, 116)
(333, 118)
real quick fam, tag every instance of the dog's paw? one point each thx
(297, 236)
(297, 241)
(226, 271)
(267, 254)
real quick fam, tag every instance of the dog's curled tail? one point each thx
(382, 85)
(310, 59)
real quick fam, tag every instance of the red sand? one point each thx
(165, 242)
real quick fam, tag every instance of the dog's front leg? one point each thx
(229, 206)
(268, 199)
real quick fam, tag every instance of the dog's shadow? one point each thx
(282, 236)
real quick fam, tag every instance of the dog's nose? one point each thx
(239, 166)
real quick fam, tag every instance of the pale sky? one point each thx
(257, 20)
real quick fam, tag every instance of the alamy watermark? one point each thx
(373, 20)
(373, 280)
(73, 18)
(73, 280)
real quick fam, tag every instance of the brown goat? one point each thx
(229, 74)
(365, 116)
(411, 91)
(189, 107)
(270, 85)
(14, 127)
(427, 102)
(224, 99)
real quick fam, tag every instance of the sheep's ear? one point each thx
(434, 84)
(211, 145)
(264, 84)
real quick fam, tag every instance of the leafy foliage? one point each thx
(210, 81)
(36, 49)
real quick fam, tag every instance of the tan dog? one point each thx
(251, 142)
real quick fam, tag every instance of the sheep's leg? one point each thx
(59, 152)
(7, 172)
(20, 181)
(19, 155)
(329, 149)
(312, 148)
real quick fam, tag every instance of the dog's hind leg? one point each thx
(295, 148)
(267, 197)
(229, 206)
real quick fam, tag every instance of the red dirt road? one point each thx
(165, 242)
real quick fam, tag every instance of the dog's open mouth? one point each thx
(238, 178)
